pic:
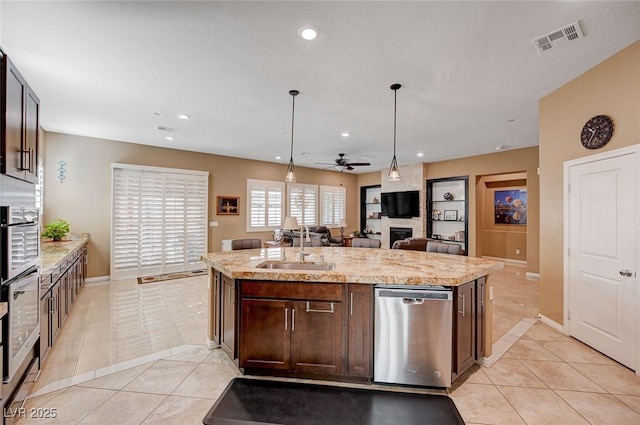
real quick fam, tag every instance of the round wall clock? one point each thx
(597, 132)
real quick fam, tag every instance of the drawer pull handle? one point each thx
(312, 310)
(286, 319)
(462, 312)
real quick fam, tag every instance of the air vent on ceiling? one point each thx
(167, 129)
(558, 37)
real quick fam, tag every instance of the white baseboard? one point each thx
(487, 361)
(97, 279)
(211, 344)
(532, 276)
(520, 263)
(555, 325)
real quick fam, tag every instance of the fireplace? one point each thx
(399, 233)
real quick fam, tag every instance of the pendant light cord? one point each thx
(293, 114)
(395, 108)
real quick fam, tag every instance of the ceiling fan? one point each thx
(342, 163)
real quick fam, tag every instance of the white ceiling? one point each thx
(102, 69)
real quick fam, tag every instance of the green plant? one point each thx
(356, 234)
(56, 230)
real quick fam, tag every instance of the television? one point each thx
(401, 204)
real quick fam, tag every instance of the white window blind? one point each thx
(303, 203)
(332, 205)
(159, 220)
(266, 205)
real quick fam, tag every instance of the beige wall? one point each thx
(523, 161)
(84, 197)
(611, 88)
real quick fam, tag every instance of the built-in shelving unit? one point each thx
(371, 211)
(448, 210)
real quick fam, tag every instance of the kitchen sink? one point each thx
(283, 265)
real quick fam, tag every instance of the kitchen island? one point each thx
(272, 318)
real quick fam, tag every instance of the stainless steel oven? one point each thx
(21, 327)
(20, 235)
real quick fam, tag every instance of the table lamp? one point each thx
(343, 224)
(290, 223)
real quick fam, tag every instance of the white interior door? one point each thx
(602, 286)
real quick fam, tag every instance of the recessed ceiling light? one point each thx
(345, 134)
(420, 154)
(500, 147)
(184, 116)
(511, 120)
(156, 114)
(305, 153)
(278, 157)
(308, 32)
(169, 138)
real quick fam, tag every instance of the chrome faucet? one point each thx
(302, 241)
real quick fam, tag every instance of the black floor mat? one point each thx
(254, 402)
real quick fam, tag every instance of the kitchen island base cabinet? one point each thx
(228, 316)
(464, 331)
(292, 330)
(360, 321)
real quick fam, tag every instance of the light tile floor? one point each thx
(114, 363)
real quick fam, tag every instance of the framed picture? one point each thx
(451, 215)
(510, 206)
(227, 205)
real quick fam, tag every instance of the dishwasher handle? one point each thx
(415, 295)
(413, 301)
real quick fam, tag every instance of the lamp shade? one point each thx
(290, 223)
(343, 223)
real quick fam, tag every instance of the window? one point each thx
(266, 205)
(303, 203)
(159, 220)
(332, 205)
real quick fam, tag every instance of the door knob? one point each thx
(626, 272)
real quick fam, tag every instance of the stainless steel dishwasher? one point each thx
(413, 332)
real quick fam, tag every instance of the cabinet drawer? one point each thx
(291, 291)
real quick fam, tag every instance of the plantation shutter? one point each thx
(159, 220)
(303, 203)
(266, 199)
(332, 205)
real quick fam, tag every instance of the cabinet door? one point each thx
(464, 301)
(265, 330)
(228, 316)
(55, 313)
(45, 324)
(30, 155)
(316, 337)
(15, 158)
(480, 317)
(360, 320)
(214, 277)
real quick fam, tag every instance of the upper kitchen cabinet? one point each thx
(19, 122)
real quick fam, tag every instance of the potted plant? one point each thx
(56, 230)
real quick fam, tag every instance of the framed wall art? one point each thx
(451, 215)
(510, 206)
(227, 205)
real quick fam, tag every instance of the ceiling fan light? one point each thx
(394, 172)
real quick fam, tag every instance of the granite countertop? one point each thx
(356, 265)
(52, 253)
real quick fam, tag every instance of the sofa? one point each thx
(412, 244)
(320, 232)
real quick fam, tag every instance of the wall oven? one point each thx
(20, 234)
(20, 284)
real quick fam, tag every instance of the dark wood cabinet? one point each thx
(45, 323)
(21, 109)
(316, 337)
(265, 330)
(214, 281)
(294, 327)
(360, 322)
(228, 316)
(464, 339)
(480, 317)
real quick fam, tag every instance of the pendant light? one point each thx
(394, 172)
(291, 169)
